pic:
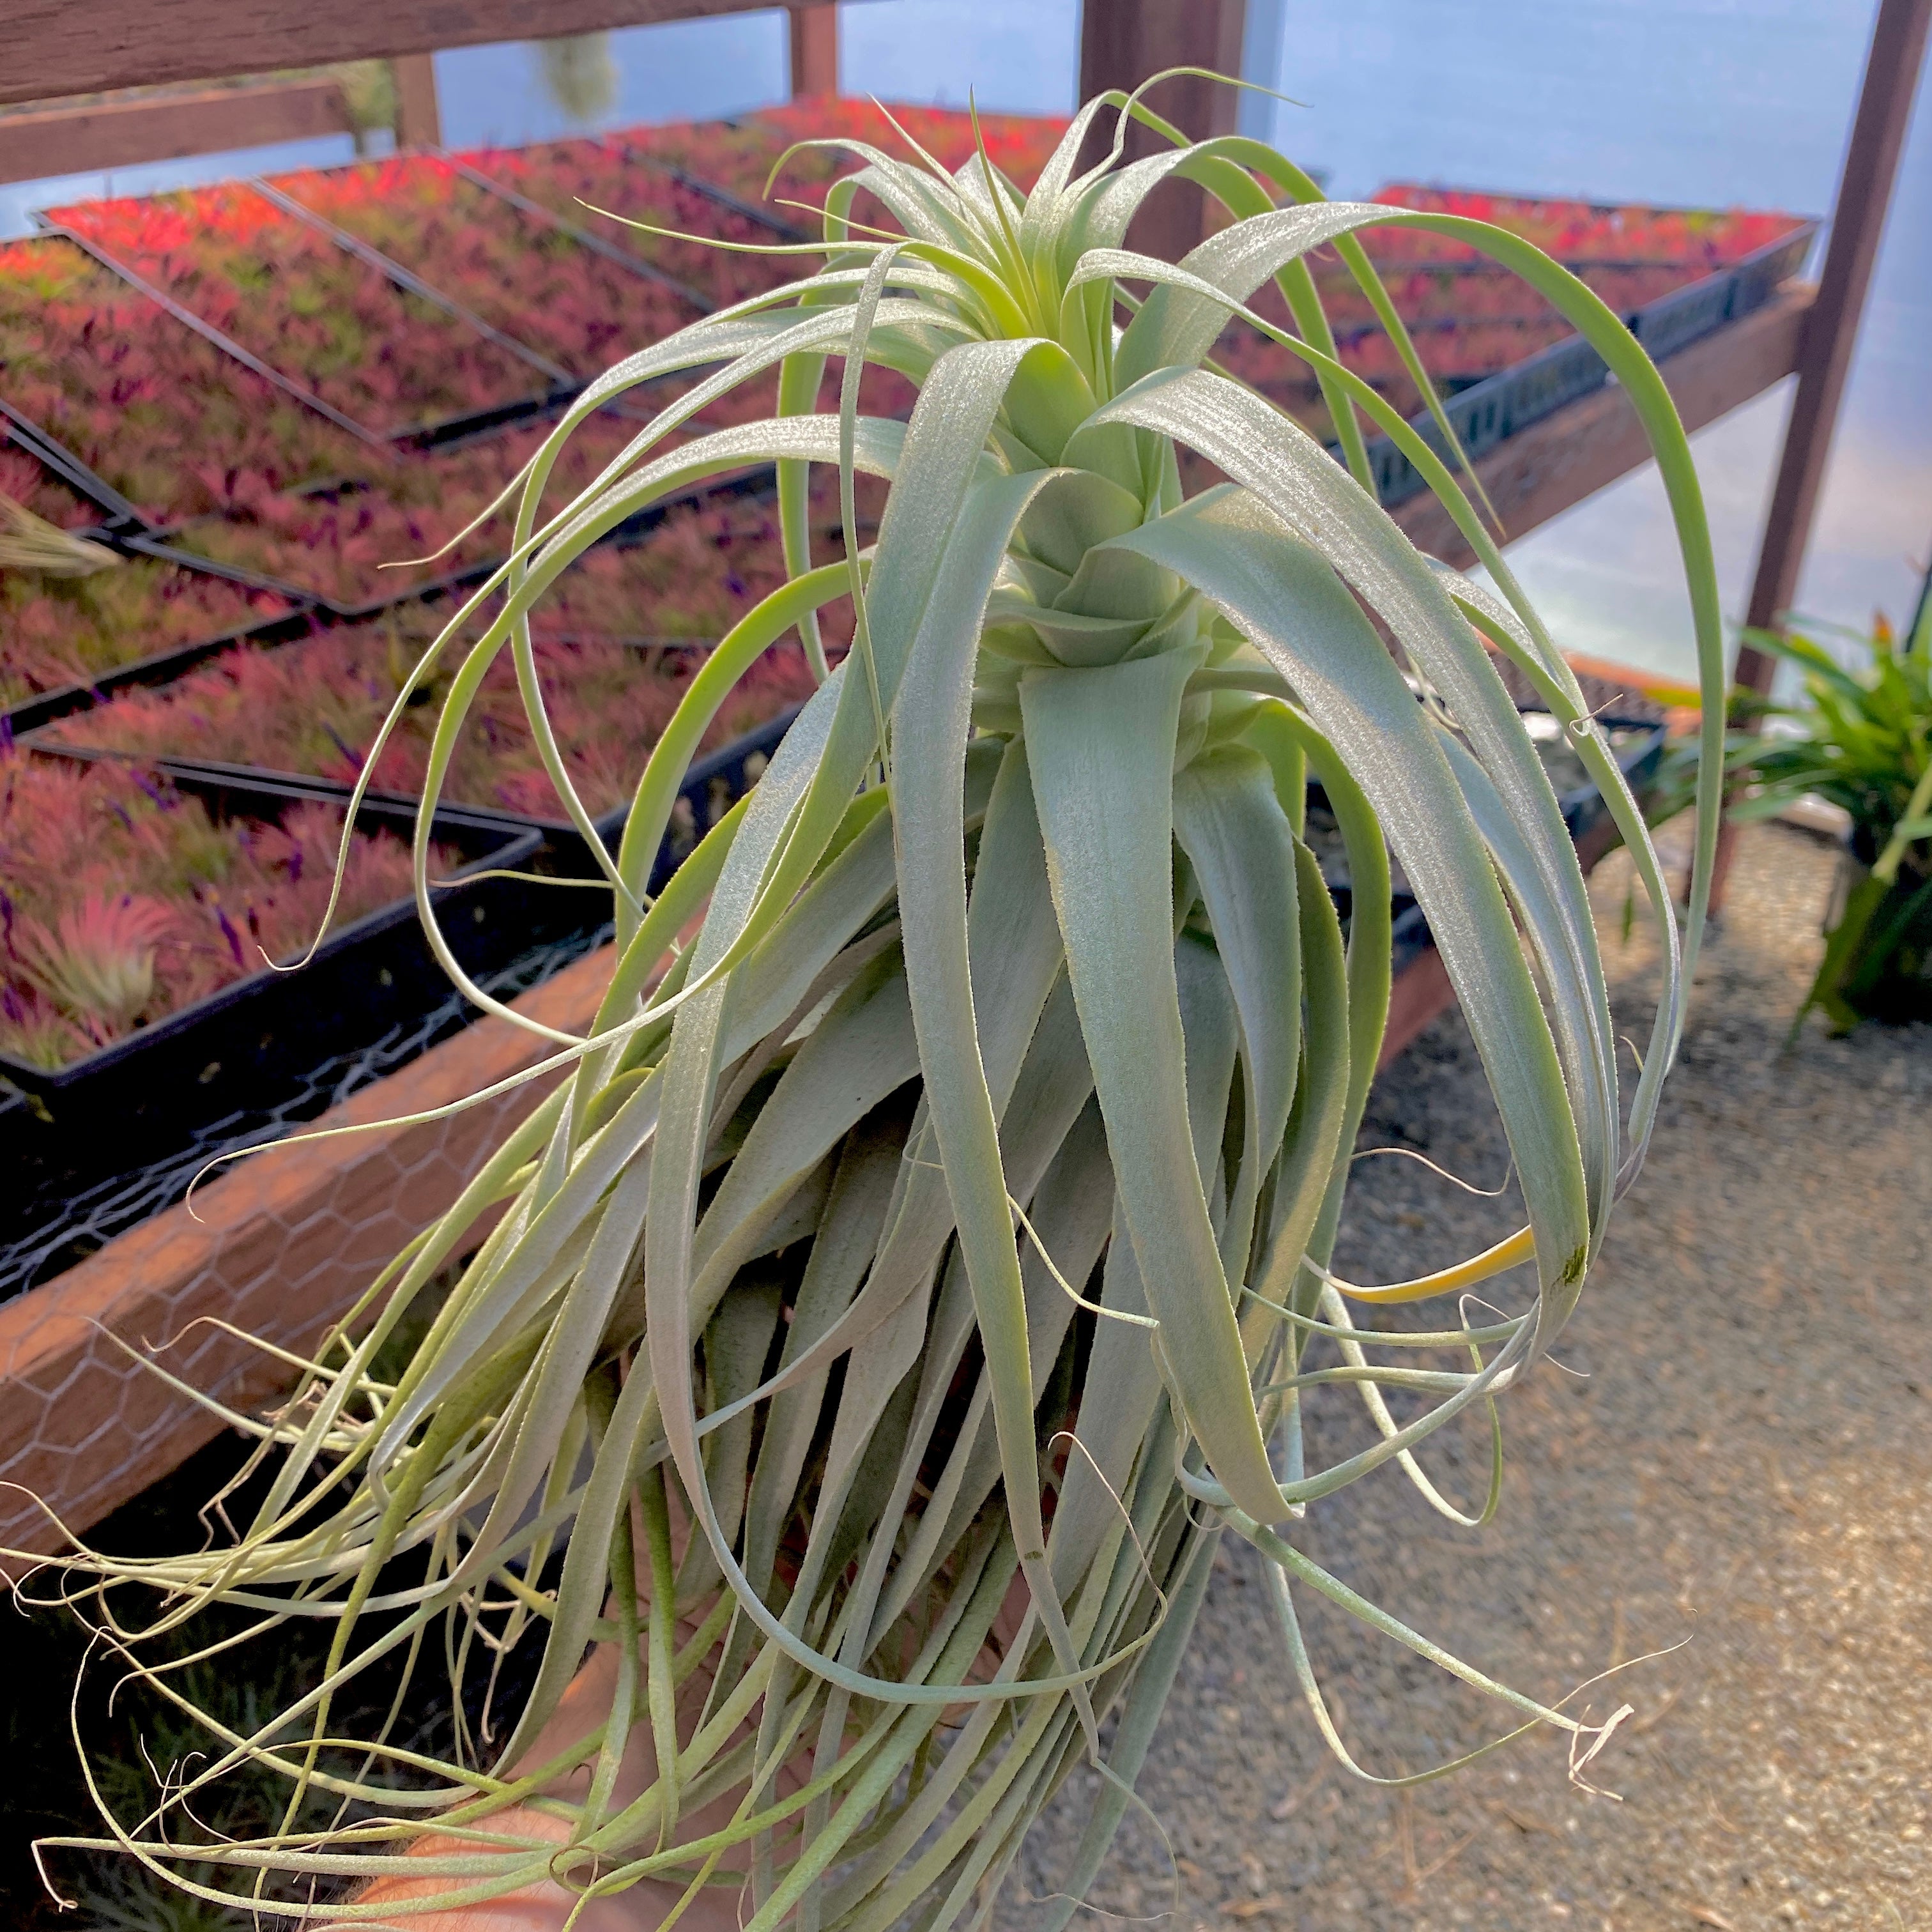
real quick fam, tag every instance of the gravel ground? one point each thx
(1743, 1480)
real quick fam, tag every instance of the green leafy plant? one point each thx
(938, 1216)
(1863, 740)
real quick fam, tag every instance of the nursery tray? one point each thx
(61, 1207)
(1489, 412)
(244, 1046)
(75, 225)
(712, 786)
(163, 666)
(757, 481)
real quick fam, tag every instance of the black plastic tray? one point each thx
(1583, 808)
(240, 1046)
(159, 669)
(712, 786)
(1489, 412)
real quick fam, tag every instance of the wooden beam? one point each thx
(164, 128)
(1124, 42)
(1858, 222)
(1554, 464)
(418, 114)
(814, 51)
(55, 47)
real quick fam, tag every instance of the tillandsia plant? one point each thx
(937, 1218)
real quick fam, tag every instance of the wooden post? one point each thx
(418, 119)
(814, 51)
(1122, 43)
(1263, 36)
(1857, 222)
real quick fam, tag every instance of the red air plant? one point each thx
(122, 900)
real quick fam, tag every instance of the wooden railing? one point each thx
(54, 49)
(119, 134)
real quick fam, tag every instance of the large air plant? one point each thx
(938, 1216)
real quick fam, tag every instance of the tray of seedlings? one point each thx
(166, 423)
(374, 349)
(142, 1031)
(616, 645)
(584, 182)
(79, 616)
(148, 911)
(1498, 356)
(359, 547)
(525, 271)
(739, 155)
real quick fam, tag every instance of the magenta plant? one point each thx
(122, 900)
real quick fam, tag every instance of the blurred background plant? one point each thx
(580, 74)
(29, 542)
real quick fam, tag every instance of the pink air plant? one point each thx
(122, 900)
(96, 964)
